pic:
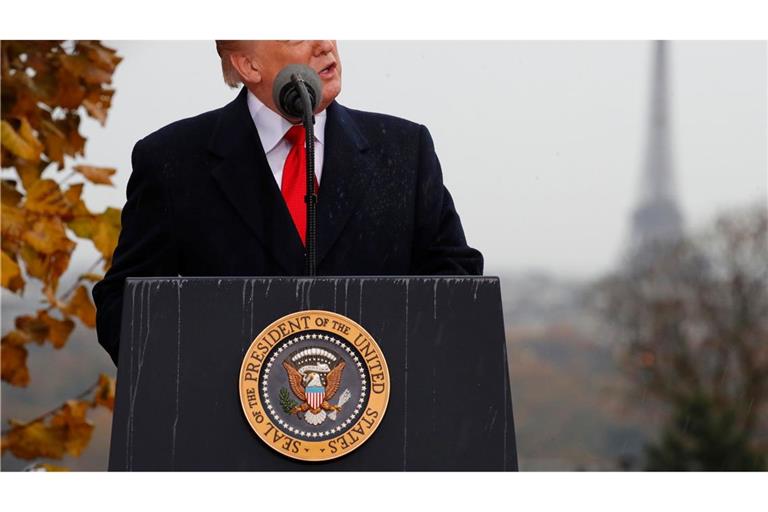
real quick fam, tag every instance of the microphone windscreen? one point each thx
(283, 90)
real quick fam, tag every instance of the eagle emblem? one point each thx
(321, 387)
(314, 375)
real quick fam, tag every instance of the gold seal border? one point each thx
(285, 444)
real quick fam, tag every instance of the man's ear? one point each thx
(248, 69)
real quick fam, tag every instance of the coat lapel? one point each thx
(248, 183)
(346, 172)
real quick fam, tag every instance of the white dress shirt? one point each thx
(272, 128)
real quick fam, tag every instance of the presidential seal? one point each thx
(314, 385)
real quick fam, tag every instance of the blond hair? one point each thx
(225, 48)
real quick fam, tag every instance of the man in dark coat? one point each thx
(207, 198)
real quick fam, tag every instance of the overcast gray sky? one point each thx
(541, 143)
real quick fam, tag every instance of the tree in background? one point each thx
(694, 323)
(46, 85)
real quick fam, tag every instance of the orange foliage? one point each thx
(63, 431)
(46, 85)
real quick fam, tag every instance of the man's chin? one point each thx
(329, 94)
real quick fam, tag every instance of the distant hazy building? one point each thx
(657, 218)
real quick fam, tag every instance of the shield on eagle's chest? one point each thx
(315, 396)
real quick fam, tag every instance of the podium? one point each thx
(183, 341)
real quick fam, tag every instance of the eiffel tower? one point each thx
(657, 218)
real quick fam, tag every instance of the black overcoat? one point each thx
(202, 201)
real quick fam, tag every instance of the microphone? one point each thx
(296, 92)
(287, 91)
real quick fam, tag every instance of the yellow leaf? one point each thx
(44, 327)
(45, 197)
(14, 224)
(105, 392)
(80, 305)
(75, 142)
(16, 337)
(13, 363)
(35, 263)
(67, 433)
(84, 226)
(58, 330)
(62, 136)
(29, 135)
(73, 196)
(96, 111)
(55, 142)
(97, 104)
(46, 267)
(11, 274)
(29, 172)
(98, 175)
(23, 144)
(83, 222)
(73, 193)
(10, 195)
(58, 263)
(105, 58)
(71, 419)
(34, 440)
(75, 64)
(36, 329)
(48, 236)
(69, 91)
(82, 67)
(14, 221)
(107, 232)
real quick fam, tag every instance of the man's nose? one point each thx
(322, 47)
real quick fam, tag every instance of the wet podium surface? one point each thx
(183, 341)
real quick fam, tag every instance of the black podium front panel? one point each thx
(183, 341)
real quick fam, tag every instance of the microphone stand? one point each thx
(308, 119)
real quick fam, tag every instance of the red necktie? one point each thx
(294, 182)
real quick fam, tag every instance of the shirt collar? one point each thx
(272, 127)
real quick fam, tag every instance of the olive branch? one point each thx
(286, 401)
